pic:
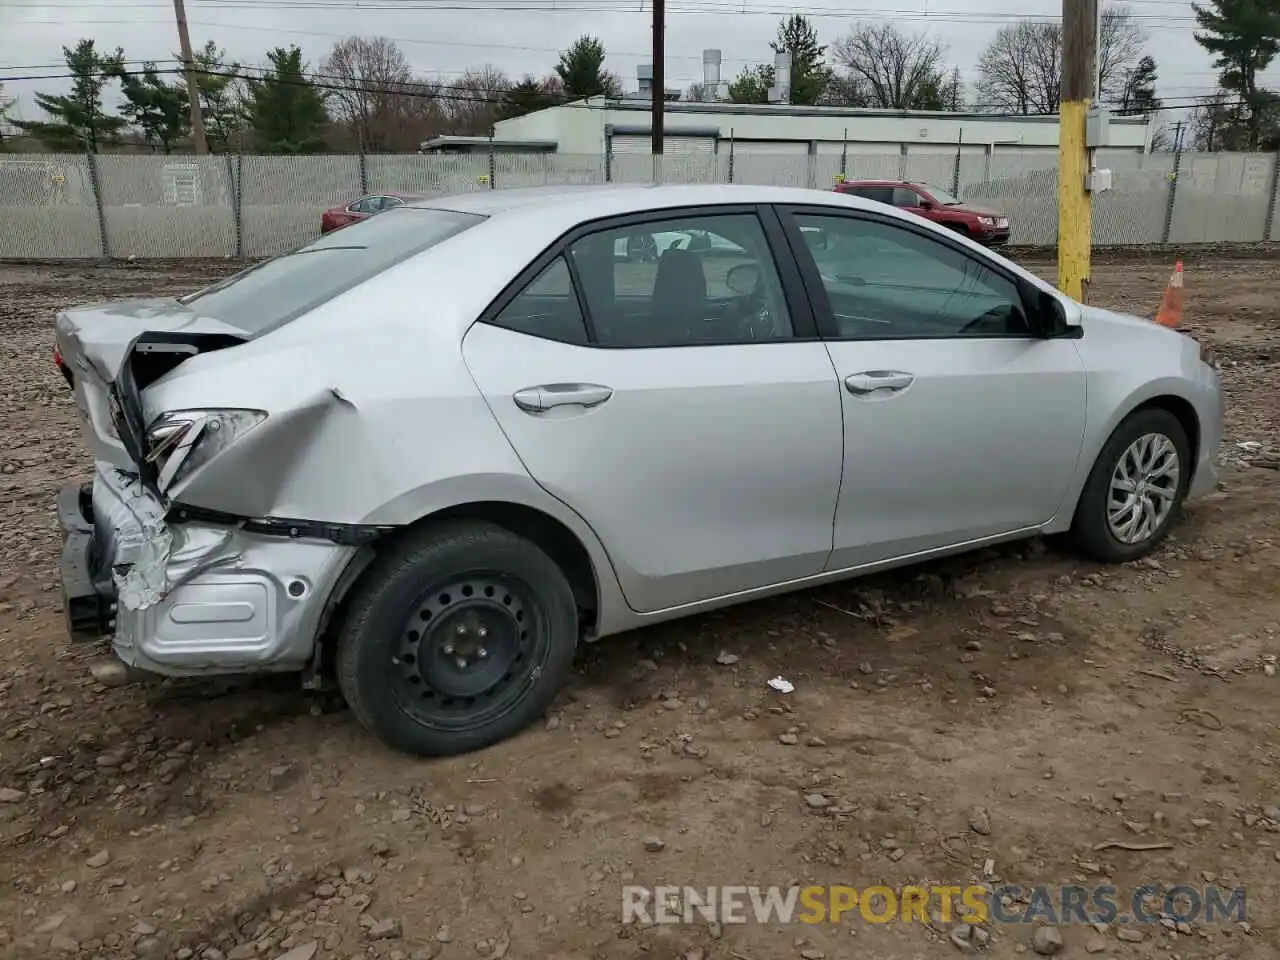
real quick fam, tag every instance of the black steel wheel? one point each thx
(456, 640)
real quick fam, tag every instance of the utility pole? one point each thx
(659, 75)
(198, 140)
(1080, 25)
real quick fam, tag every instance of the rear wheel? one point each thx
(456, 639)
(1135, 490)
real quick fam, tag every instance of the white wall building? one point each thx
(598, 125)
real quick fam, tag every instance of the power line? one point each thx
(476, 95)
(682, 7)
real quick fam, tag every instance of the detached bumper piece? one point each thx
(88, 594)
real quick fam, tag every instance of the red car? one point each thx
(985, 226)
(362, 209)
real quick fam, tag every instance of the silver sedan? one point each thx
(435, 451)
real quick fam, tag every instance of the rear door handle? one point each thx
(870, 381)
(551, 395)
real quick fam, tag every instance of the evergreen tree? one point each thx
(156, 107)
(752, 85)
(1244, 37)
(1138, 96)
(581, 70)
(79, 120)
(809, 72)
(527, 96)
(285, 110)
(220, 96)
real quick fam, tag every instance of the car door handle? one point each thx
(551, 395)
(870, 381)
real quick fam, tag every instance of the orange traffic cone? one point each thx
(1170, 312)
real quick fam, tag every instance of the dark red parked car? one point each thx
(985, 226)
(362, 209)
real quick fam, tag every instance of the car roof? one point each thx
(581, 203)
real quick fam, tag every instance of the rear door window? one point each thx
(879, 194)
(272, 293)
(905, 197)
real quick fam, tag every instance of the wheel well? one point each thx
(558, 541)
(1186, 417)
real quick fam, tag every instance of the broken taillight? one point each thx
(62, 367)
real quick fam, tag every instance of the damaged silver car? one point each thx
(433, 451)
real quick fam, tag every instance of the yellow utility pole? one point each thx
(1079, 77)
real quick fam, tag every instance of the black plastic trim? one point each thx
(344, 534)
(88, 603)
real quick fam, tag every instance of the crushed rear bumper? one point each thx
(188, 599)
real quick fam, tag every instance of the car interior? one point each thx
(723, 290)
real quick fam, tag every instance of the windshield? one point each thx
(276, 291)
(941, 196)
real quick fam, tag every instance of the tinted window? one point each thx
(546, 308)
(905, 197)
(886, 282)
(285, 287)
(364, 205)
(682, 281)
(878, 194)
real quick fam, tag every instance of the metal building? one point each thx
(622, 126)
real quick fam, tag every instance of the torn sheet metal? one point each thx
(138, 540)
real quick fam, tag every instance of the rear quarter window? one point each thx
(276, 291)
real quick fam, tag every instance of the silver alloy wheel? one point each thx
(1143, 488)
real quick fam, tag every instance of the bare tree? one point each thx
(893, 69)
(1123, 40)
(372, 77)
(475, 102)
(1021, 69)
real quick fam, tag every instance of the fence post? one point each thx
(364, 170)
(1271, 200)
(731, 154)
(1173, 190)
(493, 164)
(239, 198)
(955, 169)
(233, 189)
(96, 184)
(844, 155)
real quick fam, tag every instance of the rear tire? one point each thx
(1135, 490)
(455, 639)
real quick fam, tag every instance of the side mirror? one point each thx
(1049, 316)
(926, 204)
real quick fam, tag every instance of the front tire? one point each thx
(1135, 491)
(456, 638)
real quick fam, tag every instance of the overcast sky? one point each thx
(442, 38)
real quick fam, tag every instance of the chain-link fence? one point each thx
(68, 206)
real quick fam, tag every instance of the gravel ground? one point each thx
(998, 717)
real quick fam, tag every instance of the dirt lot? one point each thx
(995, 718)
